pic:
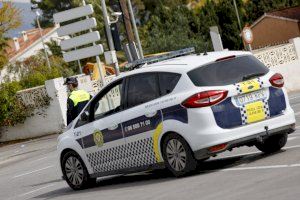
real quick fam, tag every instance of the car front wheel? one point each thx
(75, 172)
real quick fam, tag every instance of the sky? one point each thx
(27, 17)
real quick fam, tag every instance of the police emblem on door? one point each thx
(98, 138)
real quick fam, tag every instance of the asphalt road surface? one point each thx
(29, 170)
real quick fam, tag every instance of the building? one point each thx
(29, 43)
(276, 27)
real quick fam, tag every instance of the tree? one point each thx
(172, 28)
(256, 8)
(9, 19)
(50, 7)
(54, 48)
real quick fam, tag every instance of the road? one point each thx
(29, 170)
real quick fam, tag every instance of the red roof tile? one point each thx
(291, 13)
(33, 36)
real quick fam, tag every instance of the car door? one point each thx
(142, 120)
(103, 140)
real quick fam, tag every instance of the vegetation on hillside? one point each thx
(166, 25)
(9, 19)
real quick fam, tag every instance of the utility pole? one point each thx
(136, 33)
(42, 38)
(128, 28)
(108, 34)
(237, 15)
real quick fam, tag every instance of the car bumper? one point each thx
(245, 141)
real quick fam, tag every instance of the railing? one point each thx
(276, 55)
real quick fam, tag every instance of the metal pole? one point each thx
(78, 62)
(42, 38)
(108, 33)
(102, 78)
(237, 14)
(79, 65)
(135, 30)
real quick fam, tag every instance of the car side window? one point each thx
(167, 82)
(110, 102)
(142, 88)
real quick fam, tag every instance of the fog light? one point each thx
(217, 148)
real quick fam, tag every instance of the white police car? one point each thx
(176, 112)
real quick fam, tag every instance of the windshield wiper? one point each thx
(253, 75)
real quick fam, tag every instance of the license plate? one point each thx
(255, 112)
(244, 99)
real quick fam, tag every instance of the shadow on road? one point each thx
(158, 176)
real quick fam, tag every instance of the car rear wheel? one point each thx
(75, 172)
(178, 155)
(273, 143)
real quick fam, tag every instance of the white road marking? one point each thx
(292, 147)
(254, 168)
(33, 191)
(291, 138)
(27, 173)
(295, 165)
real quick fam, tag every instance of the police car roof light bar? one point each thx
(173, 54)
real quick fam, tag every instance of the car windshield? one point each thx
(228, 71)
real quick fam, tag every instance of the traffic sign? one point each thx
(77, 27)
(83, 53)
(73, 13)
(80, 40)
(74, 45)
(247, 35)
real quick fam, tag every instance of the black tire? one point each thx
(189, 161)
(82, 183)
(273, 143)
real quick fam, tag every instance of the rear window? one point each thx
(228, 72)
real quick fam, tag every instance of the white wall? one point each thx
(284, 59)
(46, 119)
(291, 74)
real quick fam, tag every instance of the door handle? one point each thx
(151, 114)
(113, 127)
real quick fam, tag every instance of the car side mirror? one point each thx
(85, 116)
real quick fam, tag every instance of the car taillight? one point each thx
(207, 98)
(277, 80)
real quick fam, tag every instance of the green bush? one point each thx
(11, 110)
(32, 72)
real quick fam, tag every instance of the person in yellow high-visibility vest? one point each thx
(76, 100)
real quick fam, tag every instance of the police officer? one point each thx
(77, 99)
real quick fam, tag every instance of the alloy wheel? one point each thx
(176, 155)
